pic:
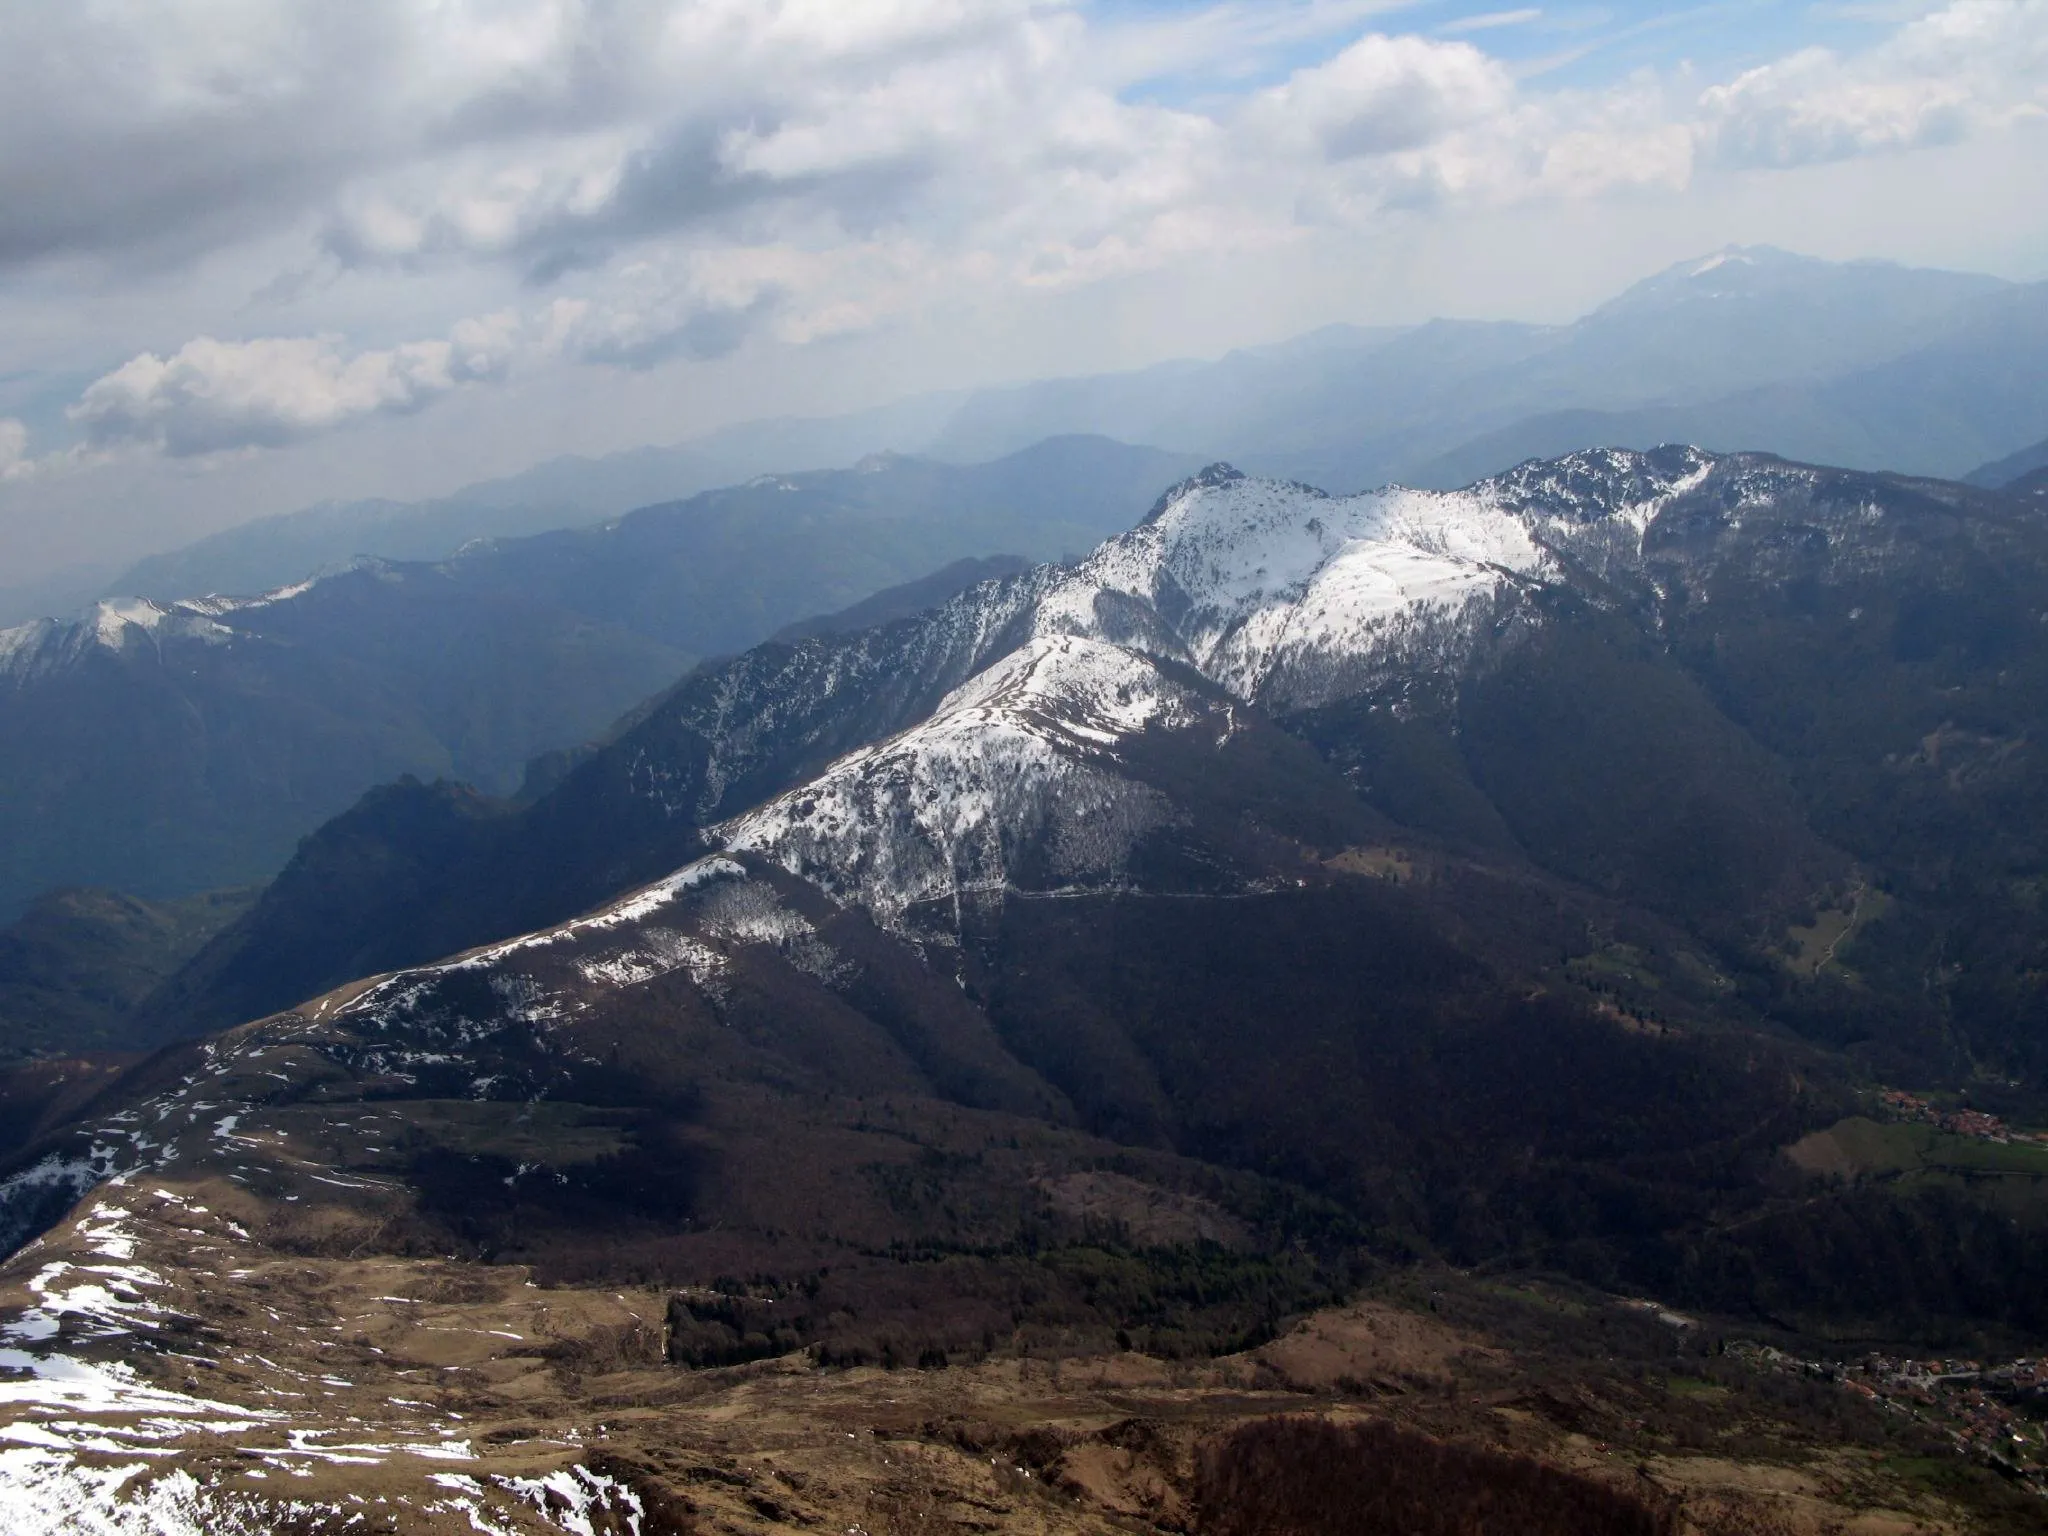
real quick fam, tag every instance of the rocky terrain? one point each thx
(179, 1371)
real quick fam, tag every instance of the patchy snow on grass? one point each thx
(1020, 757)
(656, 952)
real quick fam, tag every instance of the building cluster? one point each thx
(1997, 1414)
(1960, 1122)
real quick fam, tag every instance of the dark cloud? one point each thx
(682, 181)
(132, 131)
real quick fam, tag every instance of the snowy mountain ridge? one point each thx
(1281, 593)
(1017, 765)
(119, 624)
(43, 646)
(1275, 592)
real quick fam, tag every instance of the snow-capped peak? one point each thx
(43, 646)
(112, 617)
(117, 623)
(1250, 580)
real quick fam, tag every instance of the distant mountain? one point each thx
(1362, 407)
(1937, 409)
(2011, 469)
(2032, 487)
(559, 493)
(727, 568)
(1865, 364)
(166, 749)
(278, 551)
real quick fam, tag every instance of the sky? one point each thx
(256, 254)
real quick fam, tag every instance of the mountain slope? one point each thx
(1089, 891)
(415, 1230)
(75, 964)
(170, 750)
(1627, 668)
(1052, 843)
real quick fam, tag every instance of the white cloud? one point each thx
(213, 396)
(1492, 21)
(216, 396)
(1385, 94)
(1973, 66)
(683, 175)
(15, 463)
(559, 135)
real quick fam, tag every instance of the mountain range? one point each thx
(925, 996)
(1864, 364)
(1460, 660)
(165, 749)
(1731, 739)
(1555, 881)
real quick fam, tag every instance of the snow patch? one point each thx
(577, 1499)
(1253, 580)
(658, 952)
(1019, 758)
(752, 913)
(637, 907)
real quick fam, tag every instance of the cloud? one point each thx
(15, 463)
(1492, 21)
(214, 397)
(147, 129)
(1384, 94)
(661, 318)
(217, 396)
(680, 177)
(556, 137)
(130, 124)
(1973, 66)
(768, 114)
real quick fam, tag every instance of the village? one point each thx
(1997, 1414)
(1974, 1123)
